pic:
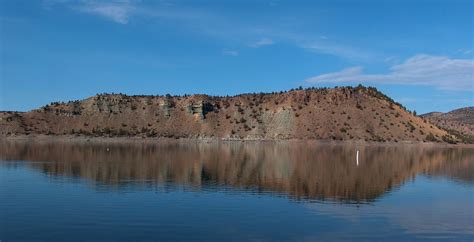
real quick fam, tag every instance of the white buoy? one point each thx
(108, 149)
(357, 158)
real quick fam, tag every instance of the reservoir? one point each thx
(234, 191)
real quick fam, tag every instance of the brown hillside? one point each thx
(459, 122)
(345, 113)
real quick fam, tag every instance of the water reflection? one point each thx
(298, 170)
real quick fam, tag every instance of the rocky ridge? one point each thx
(342, 113)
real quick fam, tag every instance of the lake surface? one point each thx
(234, 192)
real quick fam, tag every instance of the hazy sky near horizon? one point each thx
(419, 52)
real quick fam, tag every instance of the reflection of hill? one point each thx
(298, 170)
(459, 168)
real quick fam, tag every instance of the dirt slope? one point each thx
(459, 122)
(345, 113)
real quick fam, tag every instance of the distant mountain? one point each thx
(459, 121)
(344, 113)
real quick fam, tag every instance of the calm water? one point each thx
(234, 192)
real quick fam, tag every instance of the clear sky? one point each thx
(419, 52)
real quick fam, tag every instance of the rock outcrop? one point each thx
(345, 113)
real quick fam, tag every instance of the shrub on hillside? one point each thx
(448, 139)
(430, 138)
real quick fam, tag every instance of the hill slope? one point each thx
(345, 113)
(458, 121)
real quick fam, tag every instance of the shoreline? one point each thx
(208, 140)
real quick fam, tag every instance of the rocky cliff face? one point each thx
(345, 113)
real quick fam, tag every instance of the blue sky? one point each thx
(418, 52)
